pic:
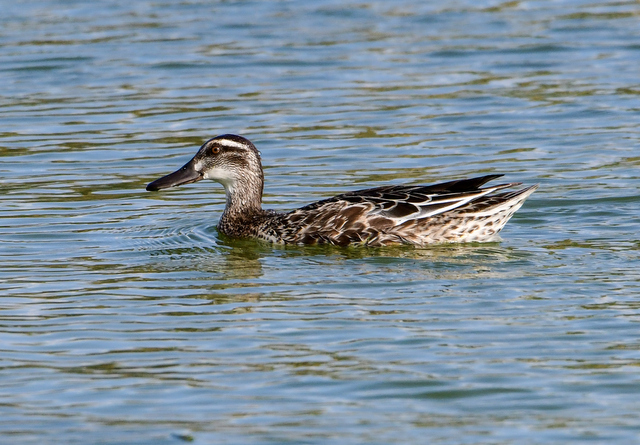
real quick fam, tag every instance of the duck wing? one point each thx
(404, 202)
(364, 214)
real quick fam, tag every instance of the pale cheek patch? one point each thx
(224, 177)
(221, 175)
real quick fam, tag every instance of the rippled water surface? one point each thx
(126, 318)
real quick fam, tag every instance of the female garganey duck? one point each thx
(455, 211)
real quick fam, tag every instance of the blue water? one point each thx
(125, 318)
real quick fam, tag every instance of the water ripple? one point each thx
(126, 317)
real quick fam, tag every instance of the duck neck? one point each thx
(244, 198)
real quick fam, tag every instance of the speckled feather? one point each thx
(454, 211)
(383, 216)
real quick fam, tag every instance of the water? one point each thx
(126, 318)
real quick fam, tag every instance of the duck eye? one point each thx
(215, 149)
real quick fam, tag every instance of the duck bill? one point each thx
(186, 175)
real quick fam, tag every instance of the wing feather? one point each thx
(367, 214)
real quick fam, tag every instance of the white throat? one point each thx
(224, 177)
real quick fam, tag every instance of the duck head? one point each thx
(231, 160)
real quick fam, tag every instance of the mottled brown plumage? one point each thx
(455, 211)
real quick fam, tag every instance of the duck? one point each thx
(458, 211)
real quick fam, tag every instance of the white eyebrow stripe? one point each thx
(231, 144)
